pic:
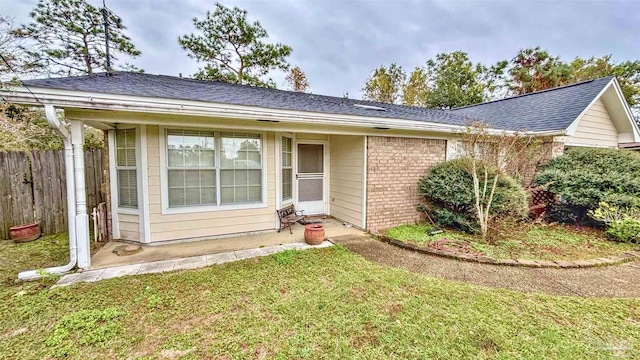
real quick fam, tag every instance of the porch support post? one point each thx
(82, 219)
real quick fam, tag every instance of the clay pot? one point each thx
(25, 233)
(314, 234)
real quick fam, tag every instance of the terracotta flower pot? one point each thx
(313, 234)
(25, 233)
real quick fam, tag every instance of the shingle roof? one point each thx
(552, 109)
(162, 86)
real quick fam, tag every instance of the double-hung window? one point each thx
(191, 168)
(240, 168)
(126, 168)
(207, 168)
(287, 168)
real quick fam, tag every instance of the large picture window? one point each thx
(287, 168)
(126, 168)
(211, 168)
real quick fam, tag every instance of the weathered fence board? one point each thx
(33, 188)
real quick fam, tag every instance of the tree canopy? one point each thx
(385, 84)
(67, 37)
(233, 49)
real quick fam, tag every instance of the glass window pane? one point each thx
(207, 158)
(122, 157)
(208, 177)
(255, 193)
(240, 150)
(310, 158)
(254, 177)
(176, 197)
(241, 177)
(241, 194)
(127, 188)
(208, 195)
(176, 157)
(226, 195)
(191, 157)
(192, 178)
(192, 196)
(226, 177)
(176, 178)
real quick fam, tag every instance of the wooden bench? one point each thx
(289, 216)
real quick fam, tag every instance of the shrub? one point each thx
(584, 177)
(448, 189)
(625, 230)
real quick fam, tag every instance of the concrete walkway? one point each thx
(185, 263)
(610, 281)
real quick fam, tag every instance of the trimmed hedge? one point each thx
(584, 177)
(448, 189)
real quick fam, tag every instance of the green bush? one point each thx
(625, 230)
(584, 177)
(448, 189)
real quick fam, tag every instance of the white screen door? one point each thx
(310, 178)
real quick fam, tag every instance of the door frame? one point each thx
(326, 172)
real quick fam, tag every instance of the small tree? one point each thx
(67, 37)
(297, 80)
(233, 49)
(506, 150)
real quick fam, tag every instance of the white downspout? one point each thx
(53, 121)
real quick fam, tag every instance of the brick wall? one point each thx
(394, 169)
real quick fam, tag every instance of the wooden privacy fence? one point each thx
(33, 188)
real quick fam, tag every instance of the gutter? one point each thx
(52, 119)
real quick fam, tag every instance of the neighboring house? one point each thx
(195, 159)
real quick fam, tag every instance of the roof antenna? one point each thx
(105, 14)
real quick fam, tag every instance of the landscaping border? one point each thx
(560, 264)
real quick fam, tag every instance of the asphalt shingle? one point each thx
(552, 109)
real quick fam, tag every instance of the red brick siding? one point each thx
(394, 168)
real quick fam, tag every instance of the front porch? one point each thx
(105, 257)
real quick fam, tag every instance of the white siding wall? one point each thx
(211, 223)
(595, 128)
(346, 178)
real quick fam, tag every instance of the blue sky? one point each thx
(337, 43)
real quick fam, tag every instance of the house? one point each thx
(193, 159)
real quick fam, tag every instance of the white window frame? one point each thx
(284, 201)
(164, 189)
(127, 209)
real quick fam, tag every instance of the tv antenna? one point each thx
(106, 13)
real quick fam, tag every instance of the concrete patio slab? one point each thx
(166, 251)
(187, 263)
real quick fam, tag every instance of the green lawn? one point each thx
(526, 241)
(313, 304)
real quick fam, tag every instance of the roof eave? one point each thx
(38, 96)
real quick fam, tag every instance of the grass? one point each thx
(312, 304)
(526, 241)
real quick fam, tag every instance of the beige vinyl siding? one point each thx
(595, 128)
(308, 136)
(129, 227)
(346, 178)
(208, 223)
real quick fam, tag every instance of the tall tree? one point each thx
(68, 37)
(385, 84)
(451, 80)
(533, 69)
(11, 51)
(297, 80)
(234, 49)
